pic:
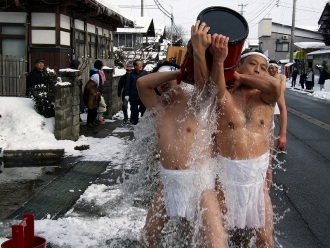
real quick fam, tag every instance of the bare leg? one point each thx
(265, 235)
(155, 221)
(213, 231)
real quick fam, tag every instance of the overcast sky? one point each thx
(185, 11)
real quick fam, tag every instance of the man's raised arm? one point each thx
(270, 87)
(200, 40)
(148, 83)
(219, 51)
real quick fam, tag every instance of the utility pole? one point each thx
(171, 29)
(242, 6)
(292, 29)
(141, 8)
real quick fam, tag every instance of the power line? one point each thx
(242, 6)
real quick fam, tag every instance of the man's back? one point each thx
(130, 87)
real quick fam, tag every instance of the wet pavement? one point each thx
(49, 191)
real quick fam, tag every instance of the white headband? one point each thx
(167, 68)
(255, 53)
(273, 64)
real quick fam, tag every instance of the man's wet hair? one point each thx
(160, 64)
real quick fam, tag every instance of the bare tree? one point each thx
(178, 36)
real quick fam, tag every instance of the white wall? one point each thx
(90, 28)
(43, 19)
(43, 36)
(13, 17)
(79, 24)
(65, 38)
(65, 21)
(265, 27)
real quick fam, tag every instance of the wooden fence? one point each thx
(12, 75)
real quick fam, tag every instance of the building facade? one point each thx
(275, 38)
(59, 31)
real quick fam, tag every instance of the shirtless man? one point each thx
(281, 112)
(245, 119)
(177, 125)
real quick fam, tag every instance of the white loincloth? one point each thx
(182, 189)
(243, 182)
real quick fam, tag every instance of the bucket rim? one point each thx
(230, 42)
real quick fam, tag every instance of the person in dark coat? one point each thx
(322, 77)
(302, 78)
(121, 89)
(294, 77)
(91, 99)
(131, 93)
(75, 64)
(35, 76)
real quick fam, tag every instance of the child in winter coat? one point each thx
(100, 110)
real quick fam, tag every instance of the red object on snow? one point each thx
(23, 235)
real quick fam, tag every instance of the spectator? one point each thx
(322, 77)
(131, 93)
(121, 89)
(75, 64)
(100, 110)
(309, 79)
(91, 99)
(302, 78)
(98, 65)
(35, 76)
(294, 77)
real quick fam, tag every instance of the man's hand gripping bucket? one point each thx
(223, 21)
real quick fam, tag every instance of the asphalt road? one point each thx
(301, 197)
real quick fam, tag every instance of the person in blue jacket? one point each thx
(131, 92)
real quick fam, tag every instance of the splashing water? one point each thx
(141, 173)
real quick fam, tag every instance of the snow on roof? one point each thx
(253, 42)
(289, 64)
(319, 52)
(283, 61)
(113, 9)
(309, 45)
(159, 29)
(141, 25)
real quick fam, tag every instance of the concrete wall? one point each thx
(67, 99)
(110, 89)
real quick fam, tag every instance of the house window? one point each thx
(92, 46)
(107, 48)
(129, 40)
(122, 38)
(12, 39)
(282, 47)
(80, 44)
(115, 40)
(13, 47)
(102, 47)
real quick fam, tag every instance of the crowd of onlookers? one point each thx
(306, 79)
(91, 96)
